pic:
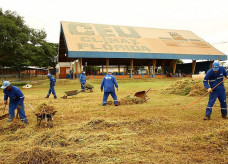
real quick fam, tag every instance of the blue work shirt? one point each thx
(52, 81)
(83, 79)
(214, 78)
(108, 83)
(15, 95)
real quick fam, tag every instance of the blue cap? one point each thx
(83, 72)
(215, 66)
(110, 71)
(48, 74)
(5, 84)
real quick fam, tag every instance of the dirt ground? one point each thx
(84, 131)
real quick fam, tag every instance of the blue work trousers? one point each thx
(221, 94)
(51, 90)
(105, 97)
(82, 86)
(13, 107)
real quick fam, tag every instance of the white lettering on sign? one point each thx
(111, 44)
(108, 38)
(102, 30)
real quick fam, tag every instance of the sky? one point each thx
(206, 18)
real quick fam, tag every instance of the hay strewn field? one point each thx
(157, 131)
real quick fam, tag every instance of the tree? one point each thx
(179, 61)
(21, 46)
(92, 70)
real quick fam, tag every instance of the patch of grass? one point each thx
(84, 131)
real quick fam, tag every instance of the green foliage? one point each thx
(22, 46)
(179, 61)
(92, 69)
(17, 83)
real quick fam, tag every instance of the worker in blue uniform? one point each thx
(52, 85)
(107, 84)
(83, 81)
(213, 77)
(16, 101)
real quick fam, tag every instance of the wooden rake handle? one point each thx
(203, 95)
(4, 109)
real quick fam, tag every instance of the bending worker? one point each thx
(16, 101)
(83, 80)
(108, 83)
(52, 85)
(215, 76)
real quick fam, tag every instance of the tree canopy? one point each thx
(22, 46)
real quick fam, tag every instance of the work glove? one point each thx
(5, 102)
(117, 89)
(209, 90)
(101, 90)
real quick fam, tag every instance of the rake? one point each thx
(203, 95)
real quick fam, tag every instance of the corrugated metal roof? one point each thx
(110, 41)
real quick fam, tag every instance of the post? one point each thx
(174, 66)
(107, 64)
(102, 69)
(119, 69)
(149, 73)
(193, 66)
(77, 69)
(80, 65)
(163, 67)
(211, 63)
(135, 71)
(154, 65)
(131, 68)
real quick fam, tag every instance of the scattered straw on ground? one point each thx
(131, 100)
(37, 155)
(44, 108)
(127, 101)
(71, 93)
(186, 87)
(89, 86)
(13, 126)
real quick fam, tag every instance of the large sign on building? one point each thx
(110, 41)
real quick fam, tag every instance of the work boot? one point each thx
(55, 97)
(206, 118)
(116, 104)
(225, 117)
(47, 96)
(25, 122)
(10, 119)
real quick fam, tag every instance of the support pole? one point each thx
(193, 66)
(80, 65)
(107, 64)
(102, 69)
(77, 69)
(149, 73)
(118, 69)
(211, 62)
(163, 67)
(131, 68)
(174, 66)
(154, 65)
